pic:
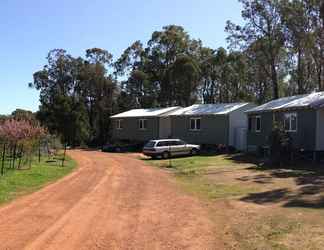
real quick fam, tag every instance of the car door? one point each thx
(178, 148)
(171, 148)
(162, 146)
(183, 149)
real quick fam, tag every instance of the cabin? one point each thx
(141, 125)
(212, 124)
(302, 116)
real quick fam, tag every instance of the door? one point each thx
(165, 128)
(240, 139)
(182, 148)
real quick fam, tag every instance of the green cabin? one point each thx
(142, 125)
(301, 116)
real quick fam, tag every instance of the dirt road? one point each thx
(110, 202)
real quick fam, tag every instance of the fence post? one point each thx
(64, 155)
(39, 152)
(14, 156)
(21, 156)
(3, 159)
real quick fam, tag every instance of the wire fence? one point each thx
(19, 156)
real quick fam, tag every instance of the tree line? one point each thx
(278, 51)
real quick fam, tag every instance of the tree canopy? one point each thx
(277, 51)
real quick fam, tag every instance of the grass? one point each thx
(19, 182)
(190, 173)
(244, 192)
(194, 164)
(204, 188)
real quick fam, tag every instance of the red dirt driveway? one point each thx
(112, 201)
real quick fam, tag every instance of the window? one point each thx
(181, 143)
(258, 124)
(194, 123)
(150, 144)
(119, 124)
(250, 123)
(142, 124)
(255, 123)
(162, 144)
(290, 122)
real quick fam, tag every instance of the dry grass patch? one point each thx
(258, 207)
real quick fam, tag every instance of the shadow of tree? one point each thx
(308, 179)
(260, 178)
(244, 158)
(272, 196)
(316, 204)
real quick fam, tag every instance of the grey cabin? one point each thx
(141, 125)
(301, 116)
(212, 124)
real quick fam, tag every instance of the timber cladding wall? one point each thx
(214, 129)
(131, 131)
(303, 138)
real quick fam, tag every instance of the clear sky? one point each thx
(30, 28)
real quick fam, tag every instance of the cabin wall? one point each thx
(320, 130)
(260, 139)
(238, 124)
(303, 138)
(165, 127)
(214, 129)
(132, 132)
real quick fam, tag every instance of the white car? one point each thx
(169, 147)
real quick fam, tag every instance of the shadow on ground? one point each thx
(307, 190)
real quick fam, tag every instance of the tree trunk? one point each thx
(274, 78)
(299, 74)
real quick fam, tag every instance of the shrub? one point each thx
(280, 145)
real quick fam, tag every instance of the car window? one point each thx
(150, 144)
(162, 144)
(181, 143)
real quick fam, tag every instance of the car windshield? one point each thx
(150, 144)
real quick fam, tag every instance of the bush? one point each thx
(280, 145)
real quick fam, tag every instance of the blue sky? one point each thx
(30, 28)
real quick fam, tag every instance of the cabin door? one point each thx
(240, 139)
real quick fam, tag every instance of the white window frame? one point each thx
(256, 123)
(195, 127)
(119, 124)
(141, 123)
(289, 116)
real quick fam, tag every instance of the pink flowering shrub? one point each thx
(14, 131)
(20, 139)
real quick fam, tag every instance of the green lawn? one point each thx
(190, 173)
(194, 164)
(19, 182)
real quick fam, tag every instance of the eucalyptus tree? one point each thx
(315, 11)
(76, 95)
(184, 74)
(57, 82)
(139, 87)
(297, 32)
(262, 23)
(147, 69)
(163, 49)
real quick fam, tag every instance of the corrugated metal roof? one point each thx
(314, 100)
(209, 109)
(145, 112)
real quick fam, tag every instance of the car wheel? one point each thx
(194, 151)
(166, 155)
